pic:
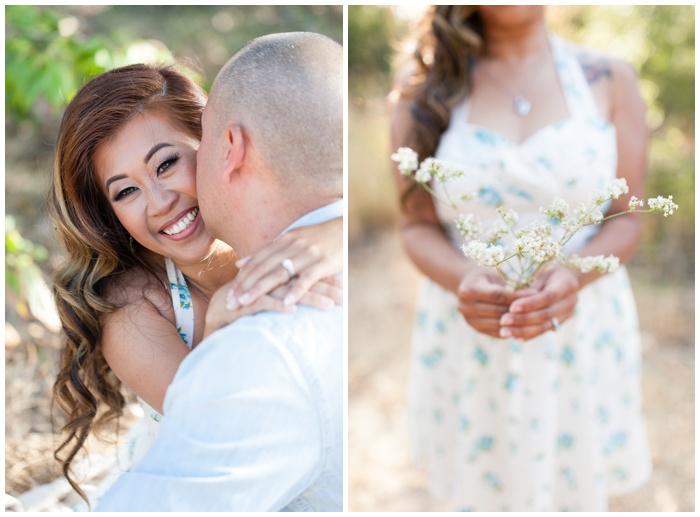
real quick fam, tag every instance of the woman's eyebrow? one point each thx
(155, 149)
(113, 179)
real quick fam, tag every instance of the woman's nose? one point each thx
(160, 200)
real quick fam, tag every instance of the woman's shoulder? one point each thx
(600, 66)
(613, 81)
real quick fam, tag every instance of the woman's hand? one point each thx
(484, 299)
(324, 294)
(316, 253)
(530, 316)
(222, 310)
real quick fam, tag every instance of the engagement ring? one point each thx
(288, 266)
(555, 324)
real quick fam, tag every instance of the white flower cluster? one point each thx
(469, 226)
(538, 244)
(407, 159)
(510, 217)
(428, 169)
(502, 226)
(662, 204)
(617, 187)
(597, 263)
(431, 168)
(593, 217)
(535, 241)
(484, 254)
(635, 203)
(571, 224)
(447, 172)
(557, 211)
(497, 231)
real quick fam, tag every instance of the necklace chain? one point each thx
(521, 104)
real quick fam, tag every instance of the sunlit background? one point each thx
(659, 42)
(50, 51)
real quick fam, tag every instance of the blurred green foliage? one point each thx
(372, 32)
(47, 58)
(659, 42)
(24, 279)
(50, 51)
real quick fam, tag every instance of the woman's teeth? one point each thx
(183, 224)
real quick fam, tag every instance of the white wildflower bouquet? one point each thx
(539, 244)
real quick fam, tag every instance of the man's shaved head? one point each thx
(286, 92)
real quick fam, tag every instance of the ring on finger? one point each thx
(555, 324)
(288, 266)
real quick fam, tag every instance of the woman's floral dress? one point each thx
(554, 423)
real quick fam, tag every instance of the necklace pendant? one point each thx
(522, 105)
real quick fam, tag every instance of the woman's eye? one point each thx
(166, 165)
(123, 193)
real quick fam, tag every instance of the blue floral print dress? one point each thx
(554, 423)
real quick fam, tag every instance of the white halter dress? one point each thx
(554, 423)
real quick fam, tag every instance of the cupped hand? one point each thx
(530, 316)
(316, 253)
(484, 299)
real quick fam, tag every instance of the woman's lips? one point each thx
(189, 230)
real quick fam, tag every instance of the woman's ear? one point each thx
(234, 155)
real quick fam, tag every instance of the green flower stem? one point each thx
(628, 212)
(500, 273)
(436, 196)
(449, 199)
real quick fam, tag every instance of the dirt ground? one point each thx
(382, 291)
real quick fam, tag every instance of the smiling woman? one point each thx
(141, 268)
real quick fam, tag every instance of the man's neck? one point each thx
(272, 217)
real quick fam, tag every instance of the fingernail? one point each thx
(242, 262)
(506, 320)
(505, 332)
(230, 295)
(232, 304)
(289, 300)
(516, 308)
(244, 299)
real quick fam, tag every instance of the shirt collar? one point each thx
(320, 215)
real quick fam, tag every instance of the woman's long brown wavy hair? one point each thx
(96, 245)
(448, 38)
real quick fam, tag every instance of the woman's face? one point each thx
(147, 171)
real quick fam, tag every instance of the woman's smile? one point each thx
(182, 226)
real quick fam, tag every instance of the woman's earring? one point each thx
(131, 244)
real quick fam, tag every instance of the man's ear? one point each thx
(234, 154)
